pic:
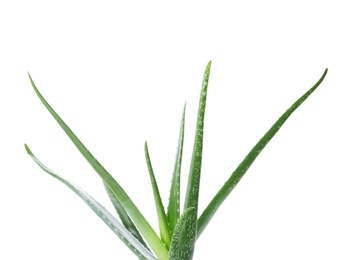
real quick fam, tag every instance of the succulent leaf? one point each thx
(162, 218)
(175, 252)
(173, 210)
(144, 227)
(178, 233)
(124, 217)
(127, 238)
(248, 160)
(188, 236)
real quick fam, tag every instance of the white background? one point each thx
(119, 74)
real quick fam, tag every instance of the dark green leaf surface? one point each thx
(173, 210)
(175, 252)
(128, 239)
(248, 160)
(189, 232)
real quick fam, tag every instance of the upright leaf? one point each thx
(127, 238)
(173, 210)
(188, 235)
(248, 160)
(164, 231)
(146, 230)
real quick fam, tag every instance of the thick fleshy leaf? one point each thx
(126, 221)
(188, 235)
(141, 223)
(162, 218)
(173, 209)
(128, 239)
(175, 252)
(248, 160)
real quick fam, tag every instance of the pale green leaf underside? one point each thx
(128, 239)
(247, 162)
(124, 217)
(141, 223)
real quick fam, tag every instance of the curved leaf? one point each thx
(144, 227)
(248, 160)
(127, 222)
(128, 239)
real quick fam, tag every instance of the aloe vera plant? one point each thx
(179, 229)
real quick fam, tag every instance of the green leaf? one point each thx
(164, 231)
(173, 210)
(175, 249)
(188, 236)
(127, 222)
(248, 160)
(146, 230)
(128, 239)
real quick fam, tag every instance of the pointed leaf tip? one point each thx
(143, 226)
(125, 235)
(209, 65)
(239, 172)
(27, 149)
(173, 209)
(28, 73)
(162, 217)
